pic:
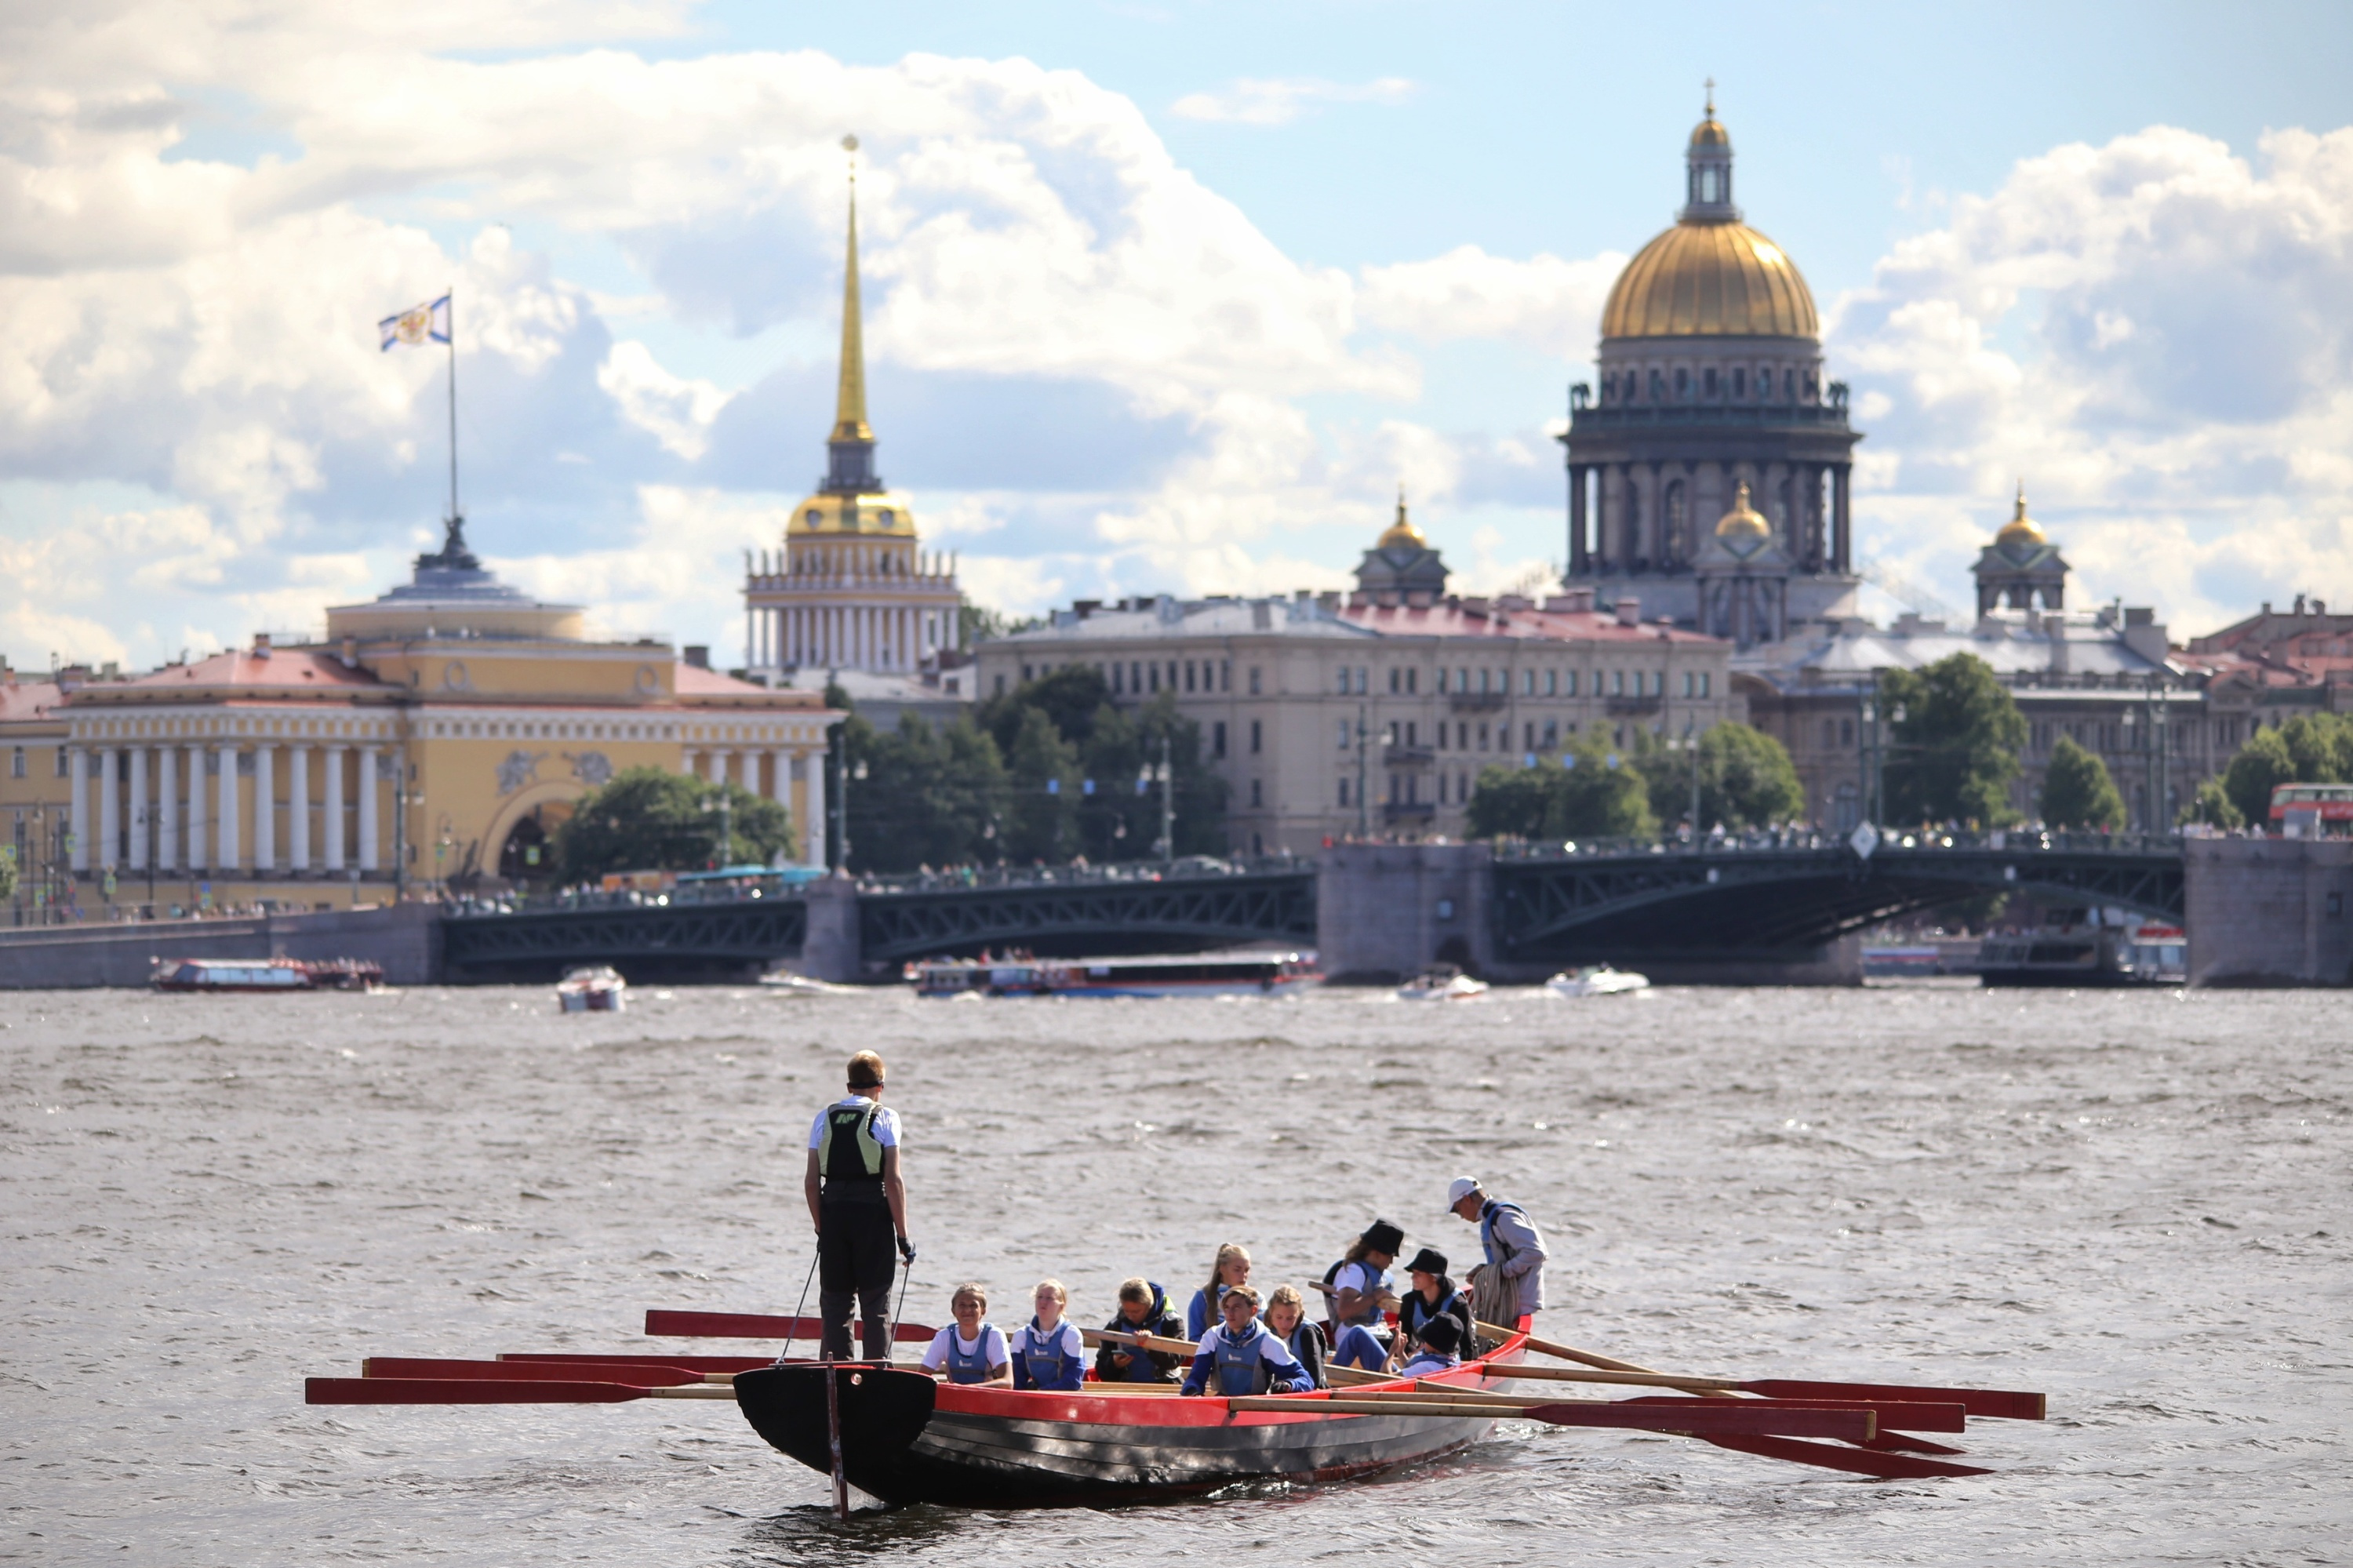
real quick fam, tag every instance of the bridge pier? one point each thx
(2270, 912)
(830, 951)
(1386, 911)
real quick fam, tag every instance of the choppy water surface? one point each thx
(2136, 1202)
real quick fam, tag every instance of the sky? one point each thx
(1159, 297)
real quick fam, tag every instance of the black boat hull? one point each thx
(906, 1440)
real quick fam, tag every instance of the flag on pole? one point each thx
(424, 324)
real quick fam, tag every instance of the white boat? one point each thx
(791, 984)
(1219, 974)
(1597, 979)
(1443, 982)
(596, 989)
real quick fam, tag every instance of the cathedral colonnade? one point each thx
(773, 771)
(222, 807)
(1647, 516)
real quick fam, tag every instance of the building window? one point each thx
(1253, 680)
(1528, 736)
(1788, 386)
(1683, 383)
(1441, 735)
(1027, 674)
(1413, 681)
(1188, 675)
(1527, 683)
(1258, 794)
(1830, 733)
(1482, 737)
(1687, 682)
(1343, 680)
(1616, 682)
(1706, 679)
(1397, 681)
(1344, 739)
(1343, 791)
(1658, 387)
(1568, 684)
(17, 763)
(1659, 686)
(1441, 687)
(1410, 737)
(1846, 732)
(1552, 733)
(1462, 737)
(1000, 685)
(1552, 683)
(1118, 682)
(1151, 674)
(1258, 737)
(1739, 381)
(1225, 674)
(1707, 376)
(1218, 738)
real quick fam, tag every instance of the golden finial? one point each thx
(1711, 98)
(2021, 529)
(849, 402)
(1402, 532)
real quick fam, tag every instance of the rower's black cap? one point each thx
(1442, 1334)
(1426, 1262)
(1383, 1236)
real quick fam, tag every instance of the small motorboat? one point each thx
(1597, 979)
(787, 983)
(1441, 983)
(599, 987)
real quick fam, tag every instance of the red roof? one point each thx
(1453, 618)
(242, 670)
(694, 681)
(27, 699)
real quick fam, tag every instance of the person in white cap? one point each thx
(1511, 1283)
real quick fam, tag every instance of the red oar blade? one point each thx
(754, 1326)
(2007, 1404)
(590, 1358)
(459, 1390)
(1894, 1414)
(1861, 1461)
(635, 1376)
(1708, 1418)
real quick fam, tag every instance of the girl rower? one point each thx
(970, 1349)
(1243, 1355)
(1358, 1289)
(1233, 1269)
(1286, 1314)
(1046, 1352)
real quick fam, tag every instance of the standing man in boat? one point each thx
(1511, 1283)
(859, 1204)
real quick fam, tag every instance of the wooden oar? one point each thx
(1902, 1417)
(2008, 1405)
(635, 1374)
(591, 1357)
(663, 1322)
(1098, 1337)
(1693, 1418)
(489, 1391)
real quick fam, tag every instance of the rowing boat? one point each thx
(907, 1439)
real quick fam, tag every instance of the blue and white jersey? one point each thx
(1367, 1282)
(1430, 1364)
(1252, 1361)
(967, 1361)
(1049, 1358)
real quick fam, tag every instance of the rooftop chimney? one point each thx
(1630, 610)
(351, 653)
(697, 654)
(261, 645)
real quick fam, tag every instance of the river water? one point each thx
(2136, 1202)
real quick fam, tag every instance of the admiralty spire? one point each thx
(1711, 381)
(852, 588)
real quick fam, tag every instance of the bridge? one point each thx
(1782, 901)
(1776, 899)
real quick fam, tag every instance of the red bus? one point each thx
(2313, 810)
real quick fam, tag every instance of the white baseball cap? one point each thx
(1461, 1188)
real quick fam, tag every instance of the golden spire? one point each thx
(2021, 529)
(850, 405)
(1402, 531)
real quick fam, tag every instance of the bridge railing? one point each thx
(2012, 841)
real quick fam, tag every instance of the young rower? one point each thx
(1442, 1339)
(1046, 1352)
(1433, 1295)
(1142, 1310)
(1358, 1289)
(1233, 1269)
(1286, 1314)
(971, 1349)
(1243, 1354)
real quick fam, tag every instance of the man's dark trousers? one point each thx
(857, 1255)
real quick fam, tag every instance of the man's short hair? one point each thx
(866, 1070)
(1136, 1289)
(1247, 1292)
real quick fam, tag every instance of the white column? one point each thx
(719, 760)
(140, 814)
(780, 779)
(167, 808)
(225, 855)
(197, 859)
(109, 808)
(368, 785)
(751, 636)
(265, 807)
(298, 807)
(331, 806)
(813, 798)
(78, 805)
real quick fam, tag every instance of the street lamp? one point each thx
(726, 809)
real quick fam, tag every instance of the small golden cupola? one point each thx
(1401, 534)
(2021, 530)
(1744, 527)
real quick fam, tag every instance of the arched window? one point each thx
(1809, 386)
(1788, 386)
(1673, 544)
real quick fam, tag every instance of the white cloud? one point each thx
(1467, 293)
(674, 409)
(1281, 100)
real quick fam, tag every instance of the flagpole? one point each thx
(452, 295)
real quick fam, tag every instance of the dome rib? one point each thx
(1709, 280)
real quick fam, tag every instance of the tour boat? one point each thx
(266, 974)
(2074, 947)
(1597, 979)
(1443, 983)
(1217, 974)
(908, 1440)
(598, 987)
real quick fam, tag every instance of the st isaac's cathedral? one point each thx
(1709, 482)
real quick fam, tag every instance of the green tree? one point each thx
(1954, 750)
(1595, 791)
(2213, 806)
(1111, 746)
(644, 819)
(1069, 697)
(2077, 792)
(7, 870)
(1745, 779)
(2261, 765)
(930, 796)
(1043, 769)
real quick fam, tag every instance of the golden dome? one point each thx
(2020, 529)
(876, 514)
(1710, 280)
(1709, 131)
(1744, 522)
(1402, 532)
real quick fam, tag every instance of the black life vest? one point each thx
(847, 1153)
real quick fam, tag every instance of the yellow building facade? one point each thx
(435, 739)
